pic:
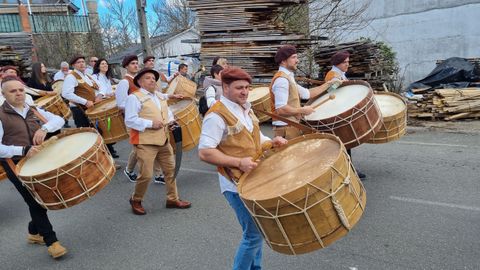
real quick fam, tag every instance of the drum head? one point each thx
(290, 169)
(172, 86)
(103, 106)
(179, 106)
(44, 100)
(346, 97)
(390, 105)
(257, 93)
(59, 153)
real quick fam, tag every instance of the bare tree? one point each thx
(172, 16)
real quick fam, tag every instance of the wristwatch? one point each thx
(44, 129)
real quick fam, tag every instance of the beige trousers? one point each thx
(132, 162)
(147, 156)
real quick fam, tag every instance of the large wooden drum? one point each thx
(305, 196)
(68, 170)
(108, 119)
(3, 174)
(183, 86)
(353, 115)
(57, 86)
(394, 117)
(260, 99)
(55, 105)
(188, 118)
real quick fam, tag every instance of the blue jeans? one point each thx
(249, 253)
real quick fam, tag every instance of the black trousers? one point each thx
(40, 223)
(79, 117)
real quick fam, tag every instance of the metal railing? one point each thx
(10, 23)
(59, 23)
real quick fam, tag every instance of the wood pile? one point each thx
(244, 32)
(16, 50)
(446, 104)
(368, 62)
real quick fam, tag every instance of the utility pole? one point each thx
(142, 21)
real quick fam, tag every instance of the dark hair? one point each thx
(215, 70)
(181, 66)
(215, 60)
(37, 75)
(96, 68)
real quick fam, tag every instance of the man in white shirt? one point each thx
(81, 90)
(91, 63)
(231, 139)
(21, 131)
(148, 117)
(126, 85)
(63, 72)
(287, 93)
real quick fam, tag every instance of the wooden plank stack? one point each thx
(447, 104)
(367, 62)
(245, 32)
(16, 50)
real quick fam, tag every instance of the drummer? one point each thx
(233, 153)
(11, 71)
(81, 90)
(340, 62)
(148, 117)
(16, 138)
(286, 93)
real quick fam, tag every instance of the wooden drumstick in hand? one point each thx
(332, 96)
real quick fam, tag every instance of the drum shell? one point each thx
(264, 105)
(189, 120)
(182, 86)
(73, 182)
(57, 86)
(355, 125)
(3, 174)
(392, 127)
(118, 130)
(283, 219)
(56, 106)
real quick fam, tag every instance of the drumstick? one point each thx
(332, 96)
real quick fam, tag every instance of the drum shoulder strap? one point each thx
(38, 114)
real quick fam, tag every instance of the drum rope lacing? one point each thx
(79, 180)
(339, 209)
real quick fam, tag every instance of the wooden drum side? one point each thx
(393, 126)
(355, 125)
(55, 105)
(73, 182)
(114, 131)
(314, 215)
(188, 118)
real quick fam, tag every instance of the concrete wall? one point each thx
(423, 31)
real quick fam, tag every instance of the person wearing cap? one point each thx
(148, 117)
(285, 93)
(126, 85)
(11, 71)
(81, 90)
(231, 139)
(340, 62)
(21, 133)
(149, 62)
(63, 72)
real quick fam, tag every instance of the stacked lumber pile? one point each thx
(16, 50)
(447, 104)
(368, 62)
(245, 32)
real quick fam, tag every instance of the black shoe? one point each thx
(361, 175)
(132, 176)
(159, 179)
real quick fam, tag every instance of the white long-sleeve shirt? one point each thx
(54, 123)
(69, 84)
(214, 130)
(280, 90)
(133, 108)
(59, 75)
(121, 92)
(104, 84)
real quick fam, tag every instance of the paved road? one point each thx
(423, 212)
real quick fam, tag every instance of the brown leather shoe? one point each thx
(56, 250)
(35, 239)
(178, 204)
(137, 207)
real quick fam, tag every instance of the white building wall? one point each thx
(174, 47)
(423, 31)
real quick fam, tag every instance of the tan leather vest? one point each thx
(150, 111)
(293, 95)
(239, 142)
